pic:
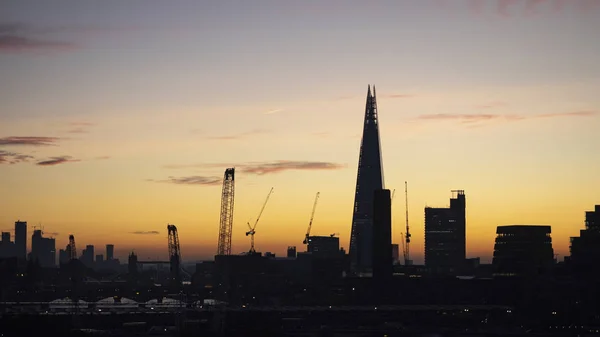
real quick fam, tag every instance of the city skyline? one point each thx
(121, 118)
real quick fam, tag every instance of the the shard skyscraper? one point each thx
(368, 179)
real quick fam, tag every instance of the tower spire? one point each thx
(369, 179)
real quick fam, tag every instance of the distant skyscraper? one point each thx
(445, 235)
(21, 239)
(110, 250)
(382, 237)
(43, 249)
(395, 253)
(522, 250)
(324, 246)
(585, 248)
(369, 178)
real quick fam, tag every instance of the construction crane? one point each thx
(406, 247)
(312, 215)
(174, 254)
(226, 223)
(252, 230)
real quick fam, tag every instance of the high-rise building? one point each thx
(43, 249)
(369, 178)
(324, 246)
(585, 248)
(21, 239)
(395, 253)
(87, 256)
(291, 252)
(522, 250)
(63, 256)
(110, 251)
(382, 237)
(7, 248)
(445, 235)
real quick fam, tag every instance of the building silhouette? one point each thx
(291, 252)
(395, 253)
(43, 250)
(445, 235)
(369, 179)
(110, 252)
(7, 247)
(21, 239)
(382, 238)
(87, 256)
(324, 245)
(585, 249)
(523, 250)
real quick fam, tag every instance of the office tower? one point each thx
(395, 253)
(445, 235)
(369, 178)
(87, 256)
(7, 248)
(63, 256)
(585, 248)
(382, 237)
(291, 251)
(110, 250)
(21, 239)
(522, 250)
(43, 250)
(324, 246)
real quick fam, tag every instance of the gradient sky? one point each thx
(118, 117)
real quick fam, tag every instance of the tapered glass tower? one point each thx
(368, 179)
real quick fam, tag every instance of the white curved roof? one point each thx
(67, 303)
(110, 302)
(165, 302)
(66, 300)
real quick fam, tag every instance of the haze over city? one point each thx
(118, 118)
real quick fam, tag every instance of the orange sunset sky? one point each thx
(117, 118)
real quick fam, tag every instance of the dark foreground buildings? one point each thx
(523, 250)
(368, 180)
(585, 248)
(382, 239)
(445, 235)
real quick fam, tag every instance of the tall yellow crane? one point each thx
(252, 230)
(312, 216)
(406, 247)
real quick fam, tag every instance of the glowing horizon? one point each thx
(118, 118)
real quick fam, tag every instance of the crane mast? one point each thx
(226, 221)
(312, 215)
(252, 230)
(407, 260)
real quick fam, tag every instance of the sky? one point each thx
(120, 117)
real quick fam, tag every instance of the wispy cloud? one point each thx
(238, 136)
(491, 105)
(13, 157)
(526, 8)
(103, 157)
(270, 112)
(399, 96)
(475, 118)
(145, 232)
(261, 168)
(57, 161)
(284, 165)
(80, 127)
(16, 37)
(30, 141)
(191, 180)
